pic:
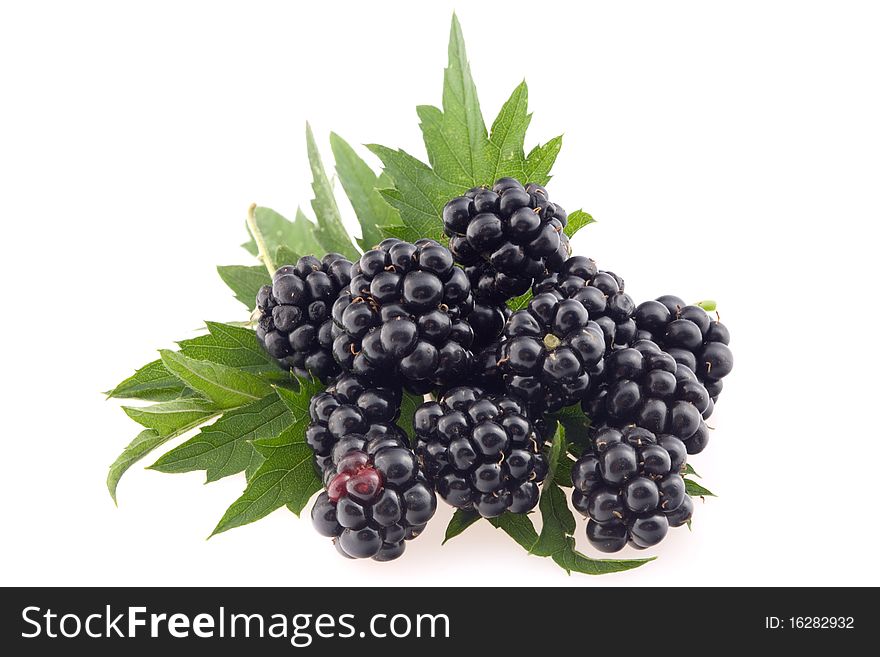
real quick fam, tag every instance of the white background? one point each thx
(728, 151)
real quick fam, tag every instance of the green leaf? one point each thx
(695, 490)
(408, 405)
(233, 346)
(152, 382)
(145, 442)
(708, 305)
(570, 560)
(576, 424)
(224, 448)
(172, 417)
(505, 150)
(520, 302)
(286, 478)
(331, 234)
(276, 230)
(245, 282)
(563, 471)
(689, 470)
(285, 256)
(577, 220)
(456, 137)
(558, 521)
(226, 386)
(419, 194)
(540, 161)
(461, 520)
(361, 185)
(297, 401)
(519, 527)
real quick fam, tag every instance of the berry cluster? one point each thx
(375, 496)
(629, 486)
(294, 323)
(480, 451)
(402, 317)
(690, 336)
(405, 317)
(600, 292)
(506, 237)
(645, 386)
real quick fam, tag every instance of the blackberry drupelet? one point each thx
(645, 386)
(601, 292)
(551, 353)
(505, 237)
(480, 451)
(690, 335)
(402, 319)
(352, 415)
(294, 324)
(629, 485)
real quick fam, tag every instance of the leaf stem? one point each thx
(262, 249)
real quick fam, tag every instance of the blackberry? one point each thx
(505, 237)
(480, 451)
(690, 335)
(629, 484)
(601, 292)
(294, 323)
(402, 318)
(645, 386)
(551, 352)
(351, 415)
(374, 502)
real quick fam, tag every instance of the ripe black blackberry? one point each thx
(690, 335)
(375, 496)
(374, 501)
(505, 237)
(629, 485)
(480, 451)
(352, 415)
(551, 353)
(645, 386)
(402, 318)
(601, 292)
(294, 324)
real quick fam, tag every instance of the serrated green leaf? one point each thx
(234, 346)
(145, 442)
(408, 405)
(297, 401)
(571, 560)
(152, 382)
(540, 161)
(245, 282)
(276, 230)
(331, 234)
(577, 220)
(576, 424)
(461, 520)
(224, 448)
(287, 477)
(172, 417)
(455, 138)
(558, 521)
(521, 302)
(689, 470)
(419, 194)
(695, 490)
(563, 471)
(505, 149)
(361, 185)
(228, 387)
(519, 527)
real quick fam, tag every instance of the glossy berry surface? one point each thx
(505, 237)
(294, 322)
(480, 451)
(403, 317)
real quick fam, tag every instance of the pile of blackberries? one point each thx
(434, 321)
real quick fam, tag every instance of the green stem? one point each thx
(262, 249)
